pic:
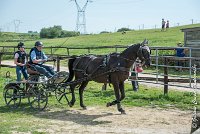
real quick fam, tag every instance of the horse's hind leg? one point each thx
(81, 89)
(73, 100)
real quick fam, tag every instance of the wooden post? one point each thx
(58, 64)
(115, 49)
(51, 50)
(68, 51)
(165, 77)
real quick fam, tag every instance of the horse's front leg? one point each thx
(81, 89)
(117, 101)
(121, 87)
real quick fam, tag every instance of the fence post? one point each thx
(58, 63)
(0, 58)
(190, 64)
(165, 77)
(156, 65)
(51, 51)
(67, 51)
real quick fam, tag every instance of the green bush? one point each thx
(16, 37)
(56, 32)
(104, 32)
(65, 33)
(123, 29)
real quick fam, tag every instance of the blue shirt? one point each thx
(33, 57)
(180, 52)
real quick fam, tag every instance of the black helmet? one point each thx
(38, 43)
(20, 44)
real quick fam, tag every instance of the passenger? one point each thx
(37, 58)
(20, 59)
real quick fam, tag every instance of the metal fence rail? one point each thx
(168, 62)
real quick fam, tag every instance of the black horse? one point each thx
(113, 68)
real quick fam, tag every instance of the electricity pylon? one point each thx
(81, 21)
(16, 24)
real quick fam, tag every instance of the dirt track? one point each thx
(100, 120)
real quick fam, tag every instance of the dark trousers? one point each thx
(135, 85)
(134, 82)
(43, 69)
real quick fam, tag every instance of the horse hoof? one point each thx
(84, 108)
(123, 112)
(108, 104)
(70, 104)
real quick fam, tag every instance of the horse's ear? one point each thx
(144, 42)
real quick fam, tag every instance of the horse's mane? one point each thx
(130, 48)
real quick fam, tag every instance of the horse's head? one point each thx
(144, 53)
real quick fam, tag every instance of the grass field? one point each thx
(25, 119)
(155, 37)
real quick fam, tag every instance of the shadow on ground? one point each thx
(74, 116)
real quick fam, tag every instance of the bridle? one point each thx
(140, 54)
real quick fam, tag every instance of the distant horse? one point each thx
(113, 68)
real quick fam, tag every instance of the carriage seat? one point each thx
(31, 70)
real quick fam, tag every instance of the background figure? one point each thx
(163, 25)
(167, 24)
(136, 68)
(20, 62)
(180, 52)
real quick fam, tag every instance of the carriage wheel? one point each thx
(37, 98)
(61, 95)
(12, 97)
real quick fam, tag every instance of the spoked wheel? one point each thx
(37, 98)
(12, 97)
(61, 95)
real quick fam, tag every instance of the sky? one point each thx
(101, 15)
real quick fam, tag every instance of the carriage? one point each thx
(36, 89)
(112, 68)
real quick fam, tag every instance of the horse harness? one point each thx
(105, 64)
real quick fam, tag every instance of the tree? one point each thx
(56, 32)
(123, 29)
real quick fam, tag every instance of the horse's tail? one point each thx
(71, 71)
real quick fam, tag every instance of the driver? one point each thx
(37, 58)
